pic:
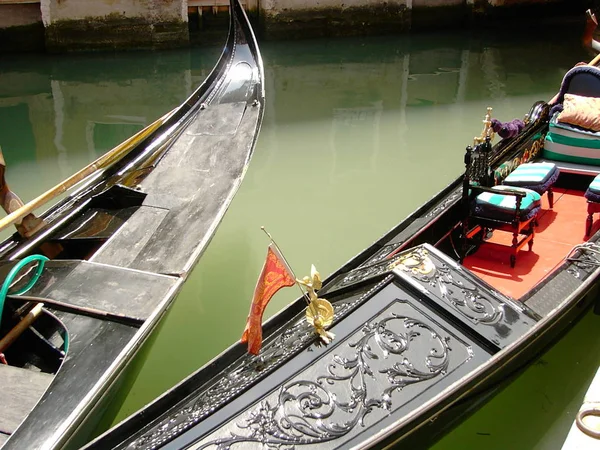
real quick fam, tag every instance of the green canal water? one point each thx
(357, 133)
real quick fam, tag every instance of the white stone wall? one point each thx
(154, 10)
(19, 15)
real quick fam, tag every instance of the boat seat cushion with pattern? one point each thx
(502, 207)
(593, 191)
(581, 111)
(569, 143)
(538, 177)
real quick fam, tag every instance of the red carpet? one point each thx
(558, 231)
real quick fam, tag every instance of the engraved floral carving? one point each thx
(364, 273)
(444, 205)
(361, 378)
(382, 254)
(463, 296)
(239, 376)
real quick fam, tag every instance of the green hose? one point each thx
(15, 271)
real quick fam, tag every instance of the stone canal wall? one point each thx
(82, 24)
(21, 27)
(71, 25)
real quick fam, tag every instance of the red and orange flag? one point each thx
(274, 276)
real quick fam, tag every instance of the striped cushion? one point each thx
(566, 143)
(502, 207)
(536, 176)
(593, 190)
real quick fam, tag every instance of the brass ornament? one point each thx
(417, 262)
(319, 312)
(487, 128)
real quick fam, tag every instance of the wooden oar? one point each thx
(594, 61)
(105, 160)
(19, 328)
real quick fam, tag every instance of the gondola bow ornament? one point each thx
(319, 312)
(276, 274)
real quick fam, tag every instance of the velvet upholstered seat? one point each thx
(500, 206)
(574, 129)
(507, 208)
(538, 177)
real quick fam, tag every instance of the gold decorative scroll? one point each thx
(319, 312)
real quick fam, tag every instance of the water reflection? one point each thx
(357, 134)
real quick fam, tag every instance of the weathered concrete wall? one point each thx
(21, 27)
(439, 13)
(19, 15)
(67, 25)
(114, 24)
(314, 18)
(307, 18)
(55, 10)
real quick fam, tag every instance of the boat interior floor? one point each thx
(558, 231)
(22, 389)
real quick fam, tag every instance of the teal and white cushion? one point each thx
(593, 190)
(571, 144)
(502, 207)
(538, 177)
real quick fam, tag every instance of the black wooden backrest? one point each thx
(477, 169)
(580, 80)
(477, 164)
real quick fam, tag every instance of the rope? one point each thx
(13, 274)
(590, 410)
(590, 247)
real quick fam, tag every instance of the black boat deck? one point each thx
(186, 192)
(406, 328)
(95, 342)
(21, 390)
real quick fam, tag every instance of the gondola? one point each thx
(86, 283)
(429, 322)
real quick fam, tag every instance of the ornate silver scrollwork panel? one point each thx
(388, 362)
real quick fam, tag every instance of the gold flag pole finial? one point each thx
(319, 312)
